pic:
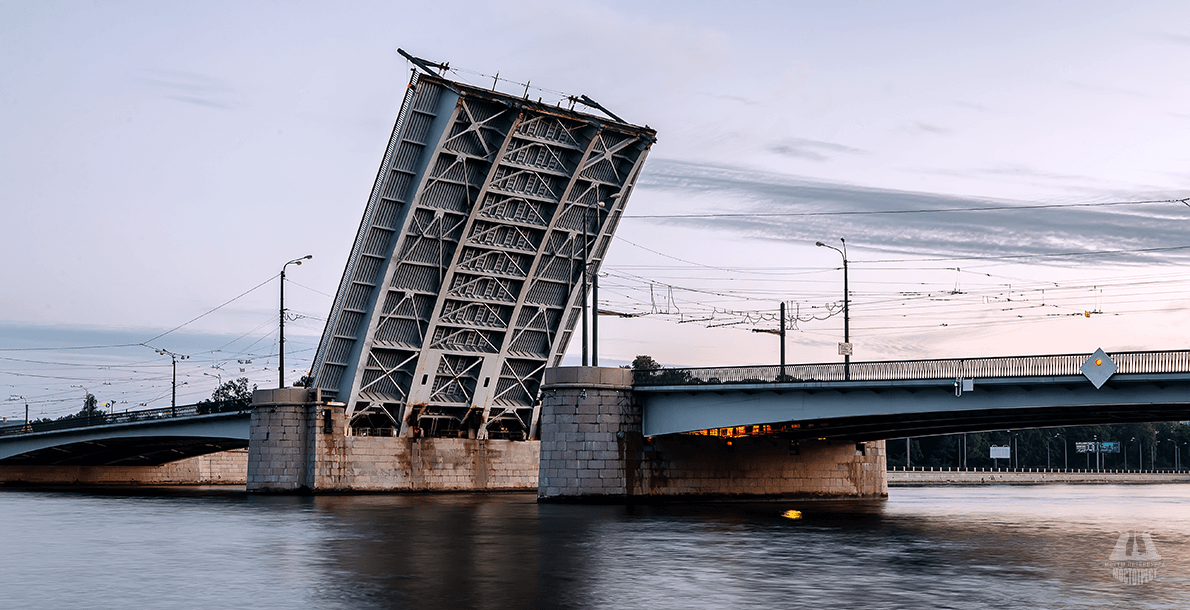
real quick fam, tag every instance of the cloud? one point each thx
(931, 128)
(1175, 38)
(732, 98)
(1042, 233)
(814, 150)
(197, 89)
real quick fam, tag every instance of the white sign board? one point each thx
(1001, 453)
(844, 349)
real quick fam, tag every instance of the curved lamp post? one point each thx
(281, 340)
(1065, 452)
(26, 427)
(846, 313)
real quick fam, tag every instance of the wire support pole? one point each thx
(586, 222)
(782, 340)
(281, 326)
(593, 278)
(846, 348)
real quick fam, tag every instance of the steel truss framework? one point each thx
(465, 280)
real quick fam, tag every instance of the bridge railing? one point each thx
(202, 408)
(904, 370)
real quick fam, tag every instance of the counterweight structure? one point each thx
(466, 277)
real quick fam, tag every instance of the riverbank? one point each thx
(987, 476)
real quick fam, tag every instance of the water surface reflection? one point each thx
(989, 547)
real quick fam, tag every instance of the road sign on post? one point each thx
(1001, 453)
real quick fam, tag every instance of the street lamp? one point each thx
(594, 279)
(1016, 445)
(26, 427)
(1065, 452)
(846, 347)
(281, 341)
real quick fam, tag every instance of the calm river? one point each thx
(930, 547)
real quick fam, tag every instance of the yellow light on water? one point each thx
(792, 514)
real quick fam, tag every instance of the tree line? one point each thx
(236, 389)
(1148, 445)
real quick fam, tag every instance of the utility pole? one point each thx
(593, 279)
(281, 340)
(782, 340)
(845, 349)
(173, 402)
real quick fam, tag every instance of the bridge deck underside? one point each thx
(869, 411)
(129, 451)
(134, 442)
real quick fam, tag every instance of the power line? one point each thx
(199, 317)
(991, 208)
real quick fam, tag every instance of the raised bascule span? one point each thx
(466, 276)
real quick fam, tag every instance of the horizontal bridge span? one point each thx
(1059, 365)
(865, 410)
(135, 438)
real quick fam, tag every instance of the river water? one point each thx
(1002, 547)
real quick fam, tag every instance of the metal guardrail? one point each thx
(905, 370)
(202, 408)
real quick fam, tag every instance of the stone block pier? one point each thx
(592, 450)
(299, 443)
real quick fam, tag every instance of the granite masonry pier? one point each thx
(592, 450)
(298, 443)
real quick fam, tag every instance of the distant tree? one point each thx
(236, 389)
(645, 363)
(91, 409)
(305, 382)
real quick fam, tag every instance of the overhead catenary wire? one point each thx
(990, 208)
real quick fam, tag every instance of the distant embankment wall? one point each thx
(223, 468)
(909, 478)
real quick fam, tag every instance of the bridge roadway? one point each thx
(134, 438)
(880, 400)
(866, 401)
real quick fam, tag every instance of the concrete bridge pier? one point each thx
(299, 444)
(592, 450)
(296, 442)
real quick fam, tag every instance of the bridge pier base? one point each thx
(295, 442)
(299, 444)
(592, 450)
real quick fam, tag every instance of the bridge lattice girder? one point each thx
(463, 284)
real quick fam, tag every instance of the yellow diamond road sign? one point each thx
(1098, 368)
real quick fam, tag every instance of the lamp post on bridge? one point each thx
(845, 348)
(24, 428)
(594, 281)
(281, 339)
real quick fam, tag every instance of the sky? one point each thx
(1010, 177)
